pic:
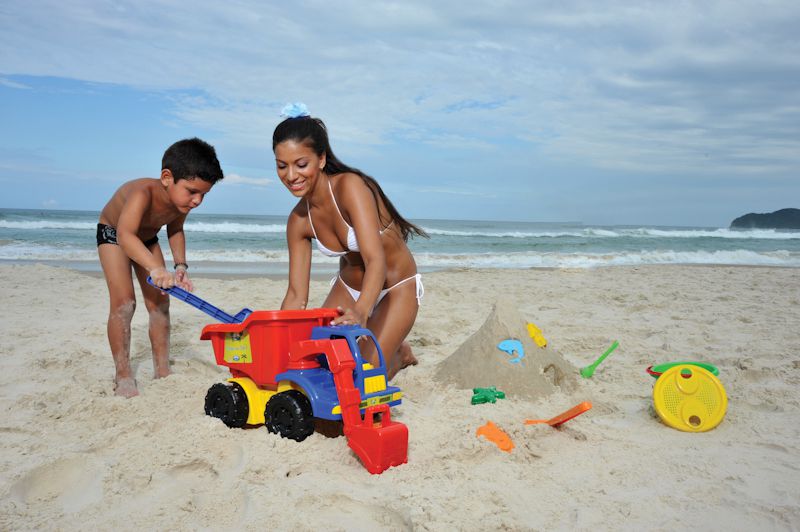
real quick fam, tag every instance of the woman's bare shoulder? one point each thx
(299, 211)
(348, 180)
(351, 188)
(297, 220)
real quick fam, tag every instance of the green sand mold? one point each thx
(656, 371)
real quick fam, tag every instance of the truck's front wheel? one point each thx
(289, 414)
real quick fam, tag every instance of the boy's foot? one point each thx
(126, 387)
(161, 367)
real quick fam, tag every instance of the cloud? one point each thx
(710, 89)
(454, 190)
(12, 84)
(50, 203)
(236, 179)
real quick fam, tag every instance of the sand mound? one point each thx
(479, 363)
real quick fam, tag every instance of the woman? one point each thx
(350, 217)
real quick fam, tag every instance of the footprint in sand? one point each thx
(357, 514)
(73, 483)
(194, 366)
(193, 471)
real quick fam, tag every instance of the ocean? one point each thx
(255, 244)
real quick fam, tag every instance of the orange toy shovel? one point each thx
(563, 418)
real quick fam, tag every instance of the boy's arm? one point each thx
(177, 244)
(177, 240)
(130, 219)
(299, 265)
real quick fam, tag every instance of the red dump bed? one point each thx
(259, 347)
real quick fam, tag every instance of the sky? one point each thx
(601, 112)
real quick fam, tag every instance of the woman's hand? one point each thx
(349, 316)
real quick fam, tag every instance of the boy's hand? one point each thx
(182, 279)
(162, 278)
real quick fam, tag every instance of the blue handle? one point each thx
(203, 305)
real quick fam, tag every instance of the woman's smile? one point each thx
(298, 166)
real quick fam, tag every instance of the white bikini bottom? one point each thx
(357, 293)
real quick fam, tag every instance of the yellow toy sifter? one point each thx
(690, 398)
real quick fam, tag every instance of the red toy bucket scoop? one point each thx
(379, 445)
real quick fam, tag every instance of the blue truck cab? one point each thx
(318, 384)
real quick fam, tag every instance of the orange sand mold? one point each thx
(496, 435)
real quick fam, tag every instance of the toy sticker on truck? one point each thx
(237, 348)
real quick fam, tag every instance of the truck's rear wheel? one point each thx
(228, 402)
(289, 414)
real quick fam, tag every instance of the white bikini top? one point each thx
(352, 241)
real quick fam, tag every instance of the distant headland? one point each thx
(781, 219)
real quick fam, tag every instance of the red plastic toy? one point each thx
(291, 366)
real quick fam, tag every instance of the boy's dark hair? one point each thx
(190, 158)
(313, 133)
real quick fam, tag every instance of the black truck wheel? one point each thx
(289, 414)
(228, 402)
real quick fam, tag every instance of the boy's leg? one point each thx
(117, 270)
(157, 305)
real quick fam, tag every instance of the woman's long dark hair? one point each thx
(313, 133)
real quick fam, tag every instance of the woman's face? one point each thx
(298, 166)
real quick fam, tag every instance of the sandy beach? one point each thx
(75, 457)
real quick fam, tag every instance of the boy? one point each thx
(126, 236)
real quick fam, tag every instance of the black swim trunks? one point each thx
(108, 235)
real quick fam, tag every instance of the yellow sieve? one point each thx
(694, 401)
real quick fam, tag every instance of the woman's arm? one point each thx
(299, 264)
(359, 206)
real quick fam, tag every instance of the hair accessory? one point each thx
(295, 110)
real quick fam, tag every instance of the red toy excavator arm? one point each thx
(379, 445)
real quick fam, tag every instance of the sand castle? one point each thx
(479, 362)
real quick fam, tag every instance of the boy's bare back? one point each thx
(158, 211)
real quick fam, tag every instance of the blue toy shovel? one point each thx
(203, 305)
(588, 371)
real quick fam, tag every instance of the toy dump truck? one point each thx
(289, 367)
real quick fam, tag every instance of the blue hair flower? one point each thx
(295, 110)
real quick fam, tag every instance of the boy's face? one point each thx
(298, 166)
(185, 194)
